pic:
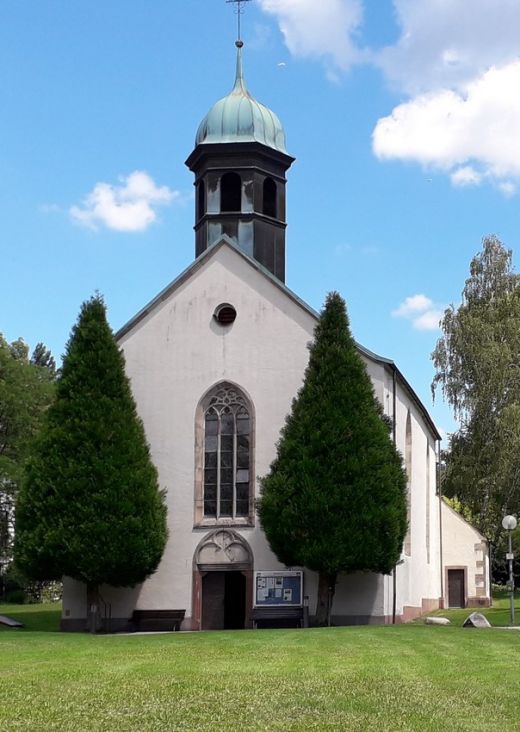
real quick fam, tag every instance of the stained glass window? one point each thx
(227, 455)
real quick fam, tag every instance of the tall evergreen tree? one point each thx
(90, 507)
(334, 499)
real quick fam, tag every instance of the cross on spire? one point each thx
(239, 10)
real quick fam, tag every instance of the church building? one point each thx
(214, 362)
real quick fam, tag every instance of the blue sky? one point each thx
(404, 117)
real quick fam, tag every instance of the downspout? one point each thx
(394, 438)
(491, 548)
(441, 599)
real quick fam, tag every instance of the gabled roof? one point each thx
(225, 241)
(208, 254)
(446, 506)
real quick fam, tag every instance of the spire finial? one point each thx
(240, 84)
(239, 10)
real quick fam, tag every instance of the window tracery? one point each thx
(226, 455)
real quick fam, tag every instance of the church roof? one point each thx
(226, 241)
(238, 117)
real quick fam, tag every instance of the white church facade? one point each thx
(214, 363)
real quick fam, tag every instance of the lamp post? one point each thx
(509, 524)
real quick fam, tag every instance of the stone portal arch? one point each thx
(222, 581)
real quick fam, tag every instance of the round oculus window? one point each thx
(225, 314)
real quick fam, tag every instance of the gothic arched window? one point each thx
(230, 192)
(227, 483)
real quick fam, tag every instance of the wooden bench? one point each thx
(281, 617)
(149, 621)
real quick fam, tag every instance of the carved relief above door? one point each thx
(223, 547)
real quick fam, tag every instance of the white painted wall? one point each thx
(464, 547)
(418, 576)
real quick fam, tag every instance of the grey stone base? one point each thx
(478, 602)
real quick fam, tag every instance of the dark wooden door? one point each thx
(223, 600)
(456, 589)
(235, 601)
(213, 595)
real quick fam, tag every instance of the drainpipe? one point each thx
(440, 520)
(491, 548)
(394, 437)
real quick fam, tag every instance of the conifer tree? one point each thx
(334, 499)
(90, 507)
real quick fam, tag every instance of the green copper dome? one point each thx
(240, 118)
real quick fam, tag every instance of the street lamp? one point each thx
(509, 524)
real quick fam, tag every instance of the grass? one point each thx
(44, 617)
(362, 678)
(499, 615)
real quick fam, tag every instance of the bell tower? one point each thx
(240, 162)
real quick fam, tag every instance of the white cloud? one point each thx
(456, 62)
(421, 311)
(130, 206)
(447, 129)
(428, 320)
(412, 305)
(49, 208)
(460, 66)
(444, 44)
(508, 188)
(366, 250)
(323, 29)
(466, 176)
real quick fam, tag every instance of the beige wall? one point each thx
(465, 548)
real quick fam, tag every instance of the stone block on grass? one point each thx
(437, 621)
(10, 622)
(476, 620)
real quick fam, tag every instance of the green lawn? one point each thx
(499, 615)
(366, 678)
(44, 617)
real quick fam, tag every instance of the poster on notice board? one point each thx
(282, 588)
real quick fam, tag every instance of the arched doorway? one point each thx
(222, 582)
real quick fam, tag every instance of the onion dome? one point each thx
(240, 118)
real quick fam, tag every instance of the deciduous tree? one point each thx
(26, 390)
(477, 363)
(334, 499)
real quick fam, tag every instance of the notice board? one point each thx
(282, 588)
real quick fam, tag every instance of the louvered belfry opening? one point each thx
(240, 162)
